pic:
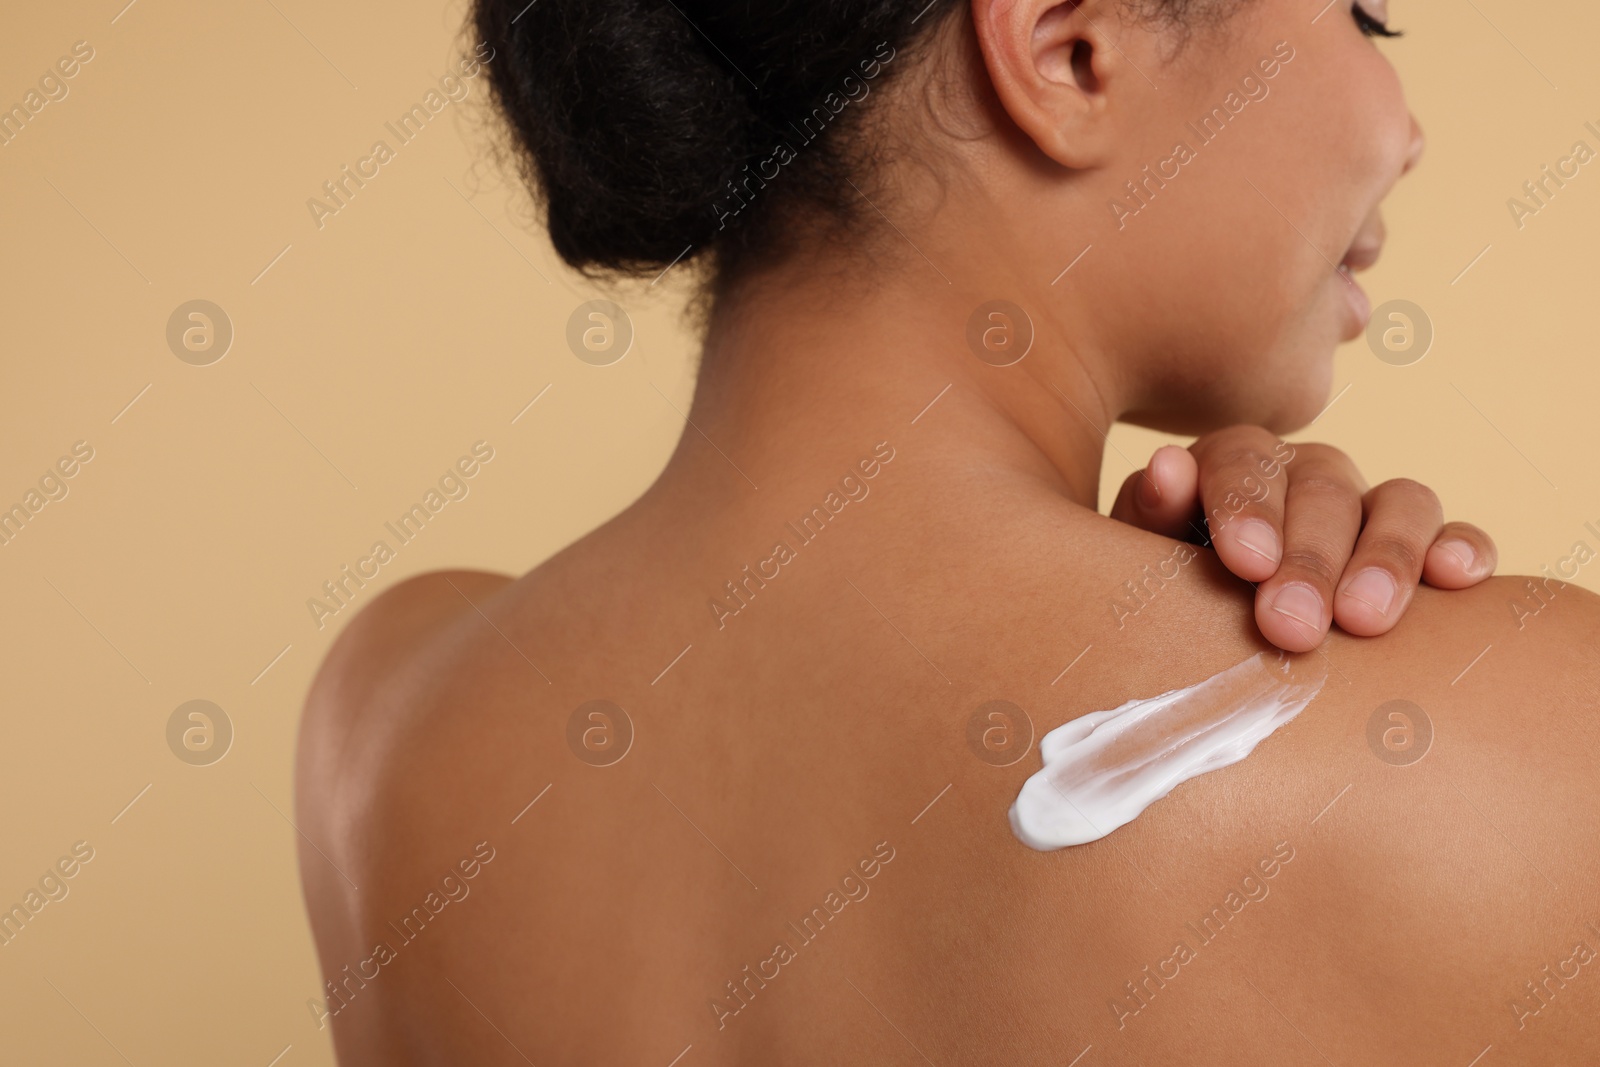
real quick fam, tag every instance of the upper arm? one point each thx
(355, 714)
(1449, 882)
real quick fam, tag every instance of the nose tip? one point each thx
(1415, 149)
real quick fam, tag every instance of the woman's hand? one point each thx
(1299, 522)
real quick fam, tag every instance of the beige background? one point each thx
(425, 316)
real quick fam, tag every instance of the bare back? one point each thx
(788, 847)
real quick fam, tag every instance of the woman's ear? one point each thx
(1052, 64)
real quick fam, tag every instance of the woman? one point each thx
(945, 249)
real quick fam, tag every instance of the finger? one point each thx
(1161, 498)
(1403, 519)
(1294, 608)
(1241, 475)
(1461, 556)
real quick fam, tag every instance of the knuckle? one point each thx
(1236, 457)
(1404, 555)
(1236, 445)
(1411, 492)
(1328, 489)
(1311, 564)
(1246, 434)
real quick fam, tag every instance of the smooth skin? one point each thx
(1366, 906)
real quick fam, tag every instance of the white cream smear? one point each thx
(1103, 769)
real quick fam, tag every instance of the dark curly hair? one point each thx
(659, 130)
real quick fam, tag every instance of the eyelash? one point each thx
(1371, 26)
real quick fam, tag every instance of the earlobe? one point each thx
(1052, 65)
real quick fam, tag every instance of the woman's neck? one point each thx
(796, 369)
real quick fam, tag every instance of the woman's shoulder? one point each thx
(391, 635)
(1440, 781)
(1510, 638)
(370, 693)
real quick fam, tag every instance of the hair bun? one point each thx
(629, 126)
(642, 125)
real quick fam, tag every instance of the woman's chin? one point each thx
(1298, 389)
(1294, 406)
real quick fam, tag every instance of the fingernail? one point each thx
(1464, 552)
(1374, 588)
(1302, 604)
(1260, 538)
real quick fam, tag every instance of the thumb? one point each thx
(1162, 498)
